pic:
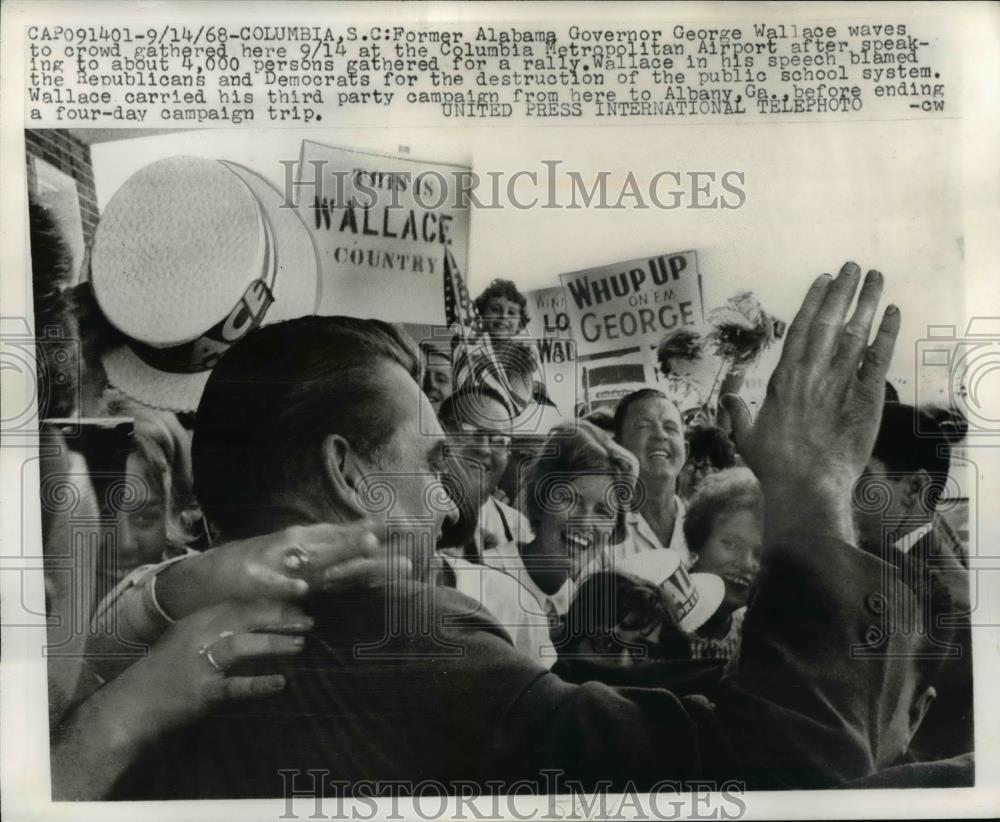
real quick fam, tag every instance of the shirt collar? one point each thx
(677, 541)
(906, 542)
(558, 602)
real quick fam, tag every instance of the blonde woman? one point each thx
(575, 495)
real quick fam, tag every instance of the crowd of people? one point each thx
(364, 557)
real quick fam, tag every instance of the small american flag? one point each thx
(475, 362)
(457, 305)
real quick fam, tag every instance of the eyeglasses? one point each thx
(493, 438)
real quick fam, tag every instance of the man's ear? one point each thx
(919, 709)
(916, 488)
(342, 470)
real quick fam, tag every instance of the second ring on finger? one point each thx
(296, 557)
(206, 651)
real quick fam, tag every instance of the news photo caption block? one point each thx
(236, 75)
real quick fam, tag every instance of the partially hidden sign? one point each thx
(633, 304)
(549, 329)
(606, 380)
(381, 224)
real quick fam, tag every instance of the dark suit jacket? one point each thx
(958, 772)
(682, 676)
(415, 683)
(948, 729)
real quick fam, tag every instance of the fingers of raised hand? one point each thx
(877, 357)
(828, 322)
(819, 334)
(797, 336)
(855, 333)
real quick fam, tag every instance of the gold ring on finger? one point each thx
(296, 557)
(206, 651)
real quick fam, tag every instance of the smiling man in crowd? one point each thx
(318, 419)
(478, 423)
(649, 425)
(438, 378)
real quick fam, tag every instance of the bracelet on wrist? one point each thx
(156, 603)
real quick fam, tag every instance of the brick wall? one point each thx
(61, 149)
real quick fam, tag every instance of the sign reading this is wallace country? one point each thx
(633, 304)
(381, 225)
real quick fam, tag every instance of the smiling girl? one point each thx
(724, 528)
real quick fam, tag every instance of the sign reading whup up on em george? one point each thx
(633, 304)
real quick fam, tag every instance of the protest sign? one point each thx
(633, 304)
(381, 225)
(606, 380)
(549, 328)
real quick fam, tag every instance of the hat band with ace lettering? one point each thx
(190, 255)
(203, 353)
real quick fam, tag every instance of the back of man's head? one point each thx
(603, 418)
(711, 444)
(682, 344)
(272, 399)
(909, 439)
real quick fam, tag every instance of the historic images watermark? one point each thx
(562, 798)
(550, 185)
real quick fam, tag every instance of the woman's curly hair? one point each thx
(578, 449)
(504, 289)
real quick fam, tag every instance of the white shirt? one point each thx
(511, 563)
(511, 605)
(907, 541)
(501, 525)
(641, 537)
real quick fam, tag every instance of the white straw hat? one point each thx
(189, 255)
(696, 596)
